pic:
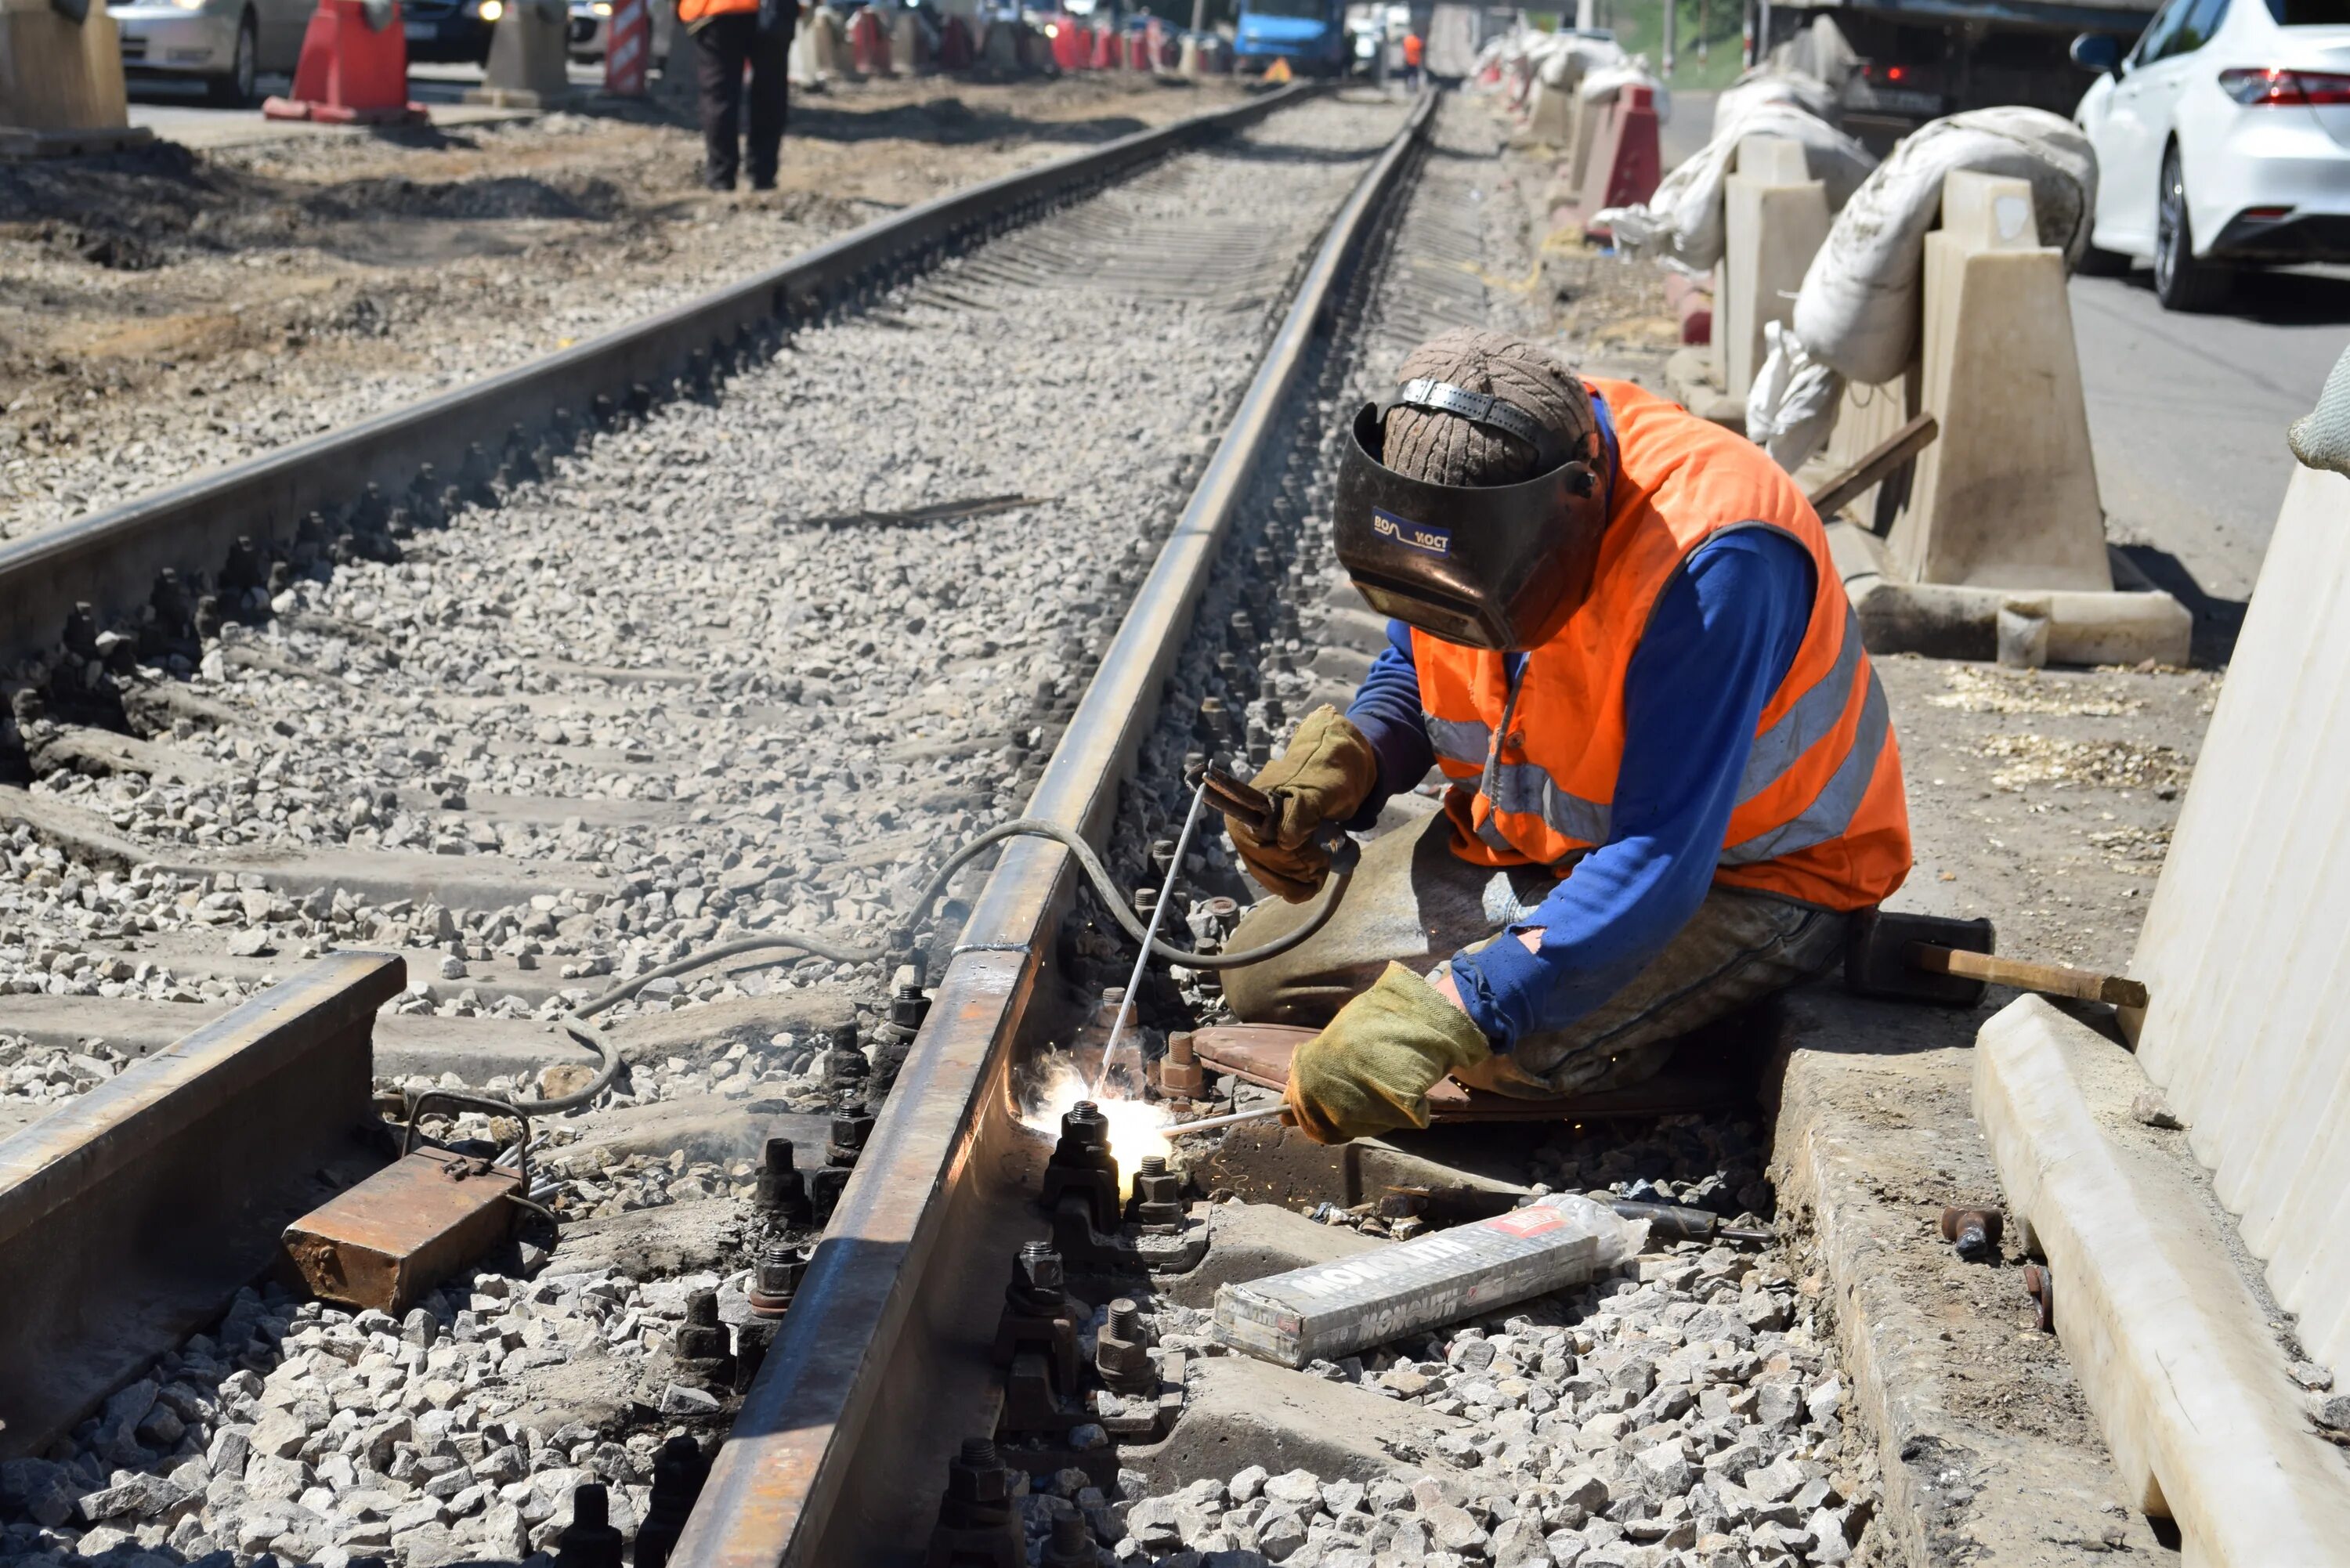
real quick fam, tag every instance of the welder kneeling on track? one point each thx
(1619, 632)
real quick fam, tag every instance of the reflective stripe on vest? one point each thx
(1830, 812)
(1812, 719)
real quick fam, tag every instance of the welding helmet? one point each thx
(1496, 567)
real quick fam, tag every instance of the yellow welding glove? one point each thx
(1370, 1071)
(1327, 773)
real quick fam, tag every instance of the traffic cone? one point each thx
(868, 45)
(1624, 167)
(627, 48)
(955, 52)
(1277, 73)
(353, 68)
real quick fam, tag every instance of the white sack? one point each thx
(1858, 311)
(1764, 85)
(1601, 84)
(1682, 220)
(1820, 52)
(1793, 404)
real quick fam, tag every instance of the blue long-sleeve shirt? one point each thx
(1725, 633)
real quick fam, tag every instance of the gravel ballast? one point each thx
(699, 681)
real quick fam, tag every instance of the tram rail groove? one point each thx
(130, 1217)
(111, 560)
(838, 1453)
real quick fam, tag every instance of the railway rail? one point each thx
(592, 704)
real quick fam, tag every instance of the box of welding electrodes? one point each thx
(1329, 1310)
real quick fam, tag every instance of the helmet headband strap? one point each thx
(1478, 409)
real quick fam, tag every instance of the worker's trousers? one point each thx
(723, 45)
(1415, 902)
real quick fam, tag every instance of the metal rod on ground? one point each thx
(1231, 1119)
(1142, 957)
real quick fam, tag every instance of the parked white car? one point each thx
(223, 44)
(2223, 140)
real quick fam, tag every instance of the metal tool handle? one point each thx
(1242, 800)
(1257, 807)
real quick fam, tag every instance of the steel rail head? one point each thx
(837, 1454)
(129, 1217)
(111, 560)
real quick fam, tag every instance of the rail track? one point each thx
(975, 514)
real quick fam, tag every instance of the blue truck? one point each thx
(1311, 35)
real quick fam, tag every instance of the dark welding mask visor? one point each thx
(1482, 566)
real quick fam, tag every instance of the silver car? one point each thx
(225, 43)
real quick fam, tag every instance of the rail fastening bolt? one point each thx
(1071, 1544)
(1180, 1076)
(850, 1129)
(777, 1279)
(1120, 1354)
(782, 1191)
(976, 1479)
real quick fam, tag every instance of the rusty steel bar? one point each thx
(839, 1454)
(130, 1216)
(111, 559)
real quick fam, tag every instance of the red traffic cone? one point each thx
(353, 69)
(1625, 165)
(868, 45)
(954, 45)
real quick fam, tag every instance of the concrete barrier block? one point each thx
(1954, 620)
(1585, 118)
(2187, 1383)
(1775, 219)
(528, 66)
(2243, 1030)
(2007, 497)
(61, 81)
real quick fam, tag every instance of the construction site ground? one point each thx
(170, 310)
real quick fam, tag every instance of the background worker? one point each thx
(1414, 47)
(727, 35)
(1619, 633)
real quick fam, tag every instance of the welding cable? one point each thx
(1342, 871)
(901, 936)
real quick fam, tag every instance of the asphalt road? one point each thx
(2187, 416)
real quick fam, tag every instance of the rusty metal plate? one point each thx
(1702, 1076)
(404, 1230)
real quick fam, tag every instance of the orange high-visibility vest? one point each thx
(1412, 48)
(1821, 816)
(692, 11)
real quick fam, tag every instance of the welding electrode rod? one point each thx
(1233, 1119)
(1158, 913)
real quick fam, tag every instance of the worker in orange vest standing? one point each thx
(728, 35)
(1414, 47)
(1669, 771)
